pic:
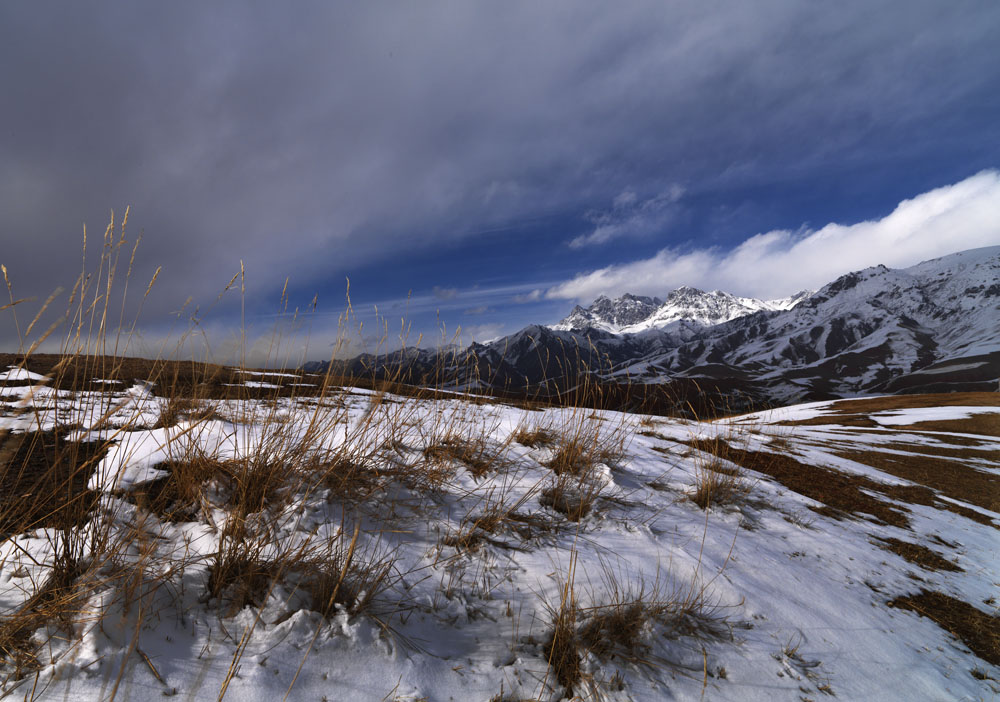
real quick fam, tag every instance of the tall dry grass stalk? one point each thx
(231, 447)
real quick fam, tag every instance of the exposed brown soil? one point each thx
(973, 627)
(839, 492)
(854, 413)
(78, 373)
(966, 512)
(957, 440)
(949, 477)
(945, 451)
(896, 402)
(918, 555)
(924, 497)
(852, 420)
(187, 379)
(985, 424)
(43, 481)
(948, 439)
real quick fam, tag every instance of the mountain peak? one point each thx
(610, 315)
(687, 290)
(632, 314)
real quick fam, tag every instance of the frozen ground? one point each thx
(765, 596)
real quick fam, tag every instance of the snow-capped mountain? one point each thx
(933, 326)
(685, 309)
(609, 315)
(859, 332)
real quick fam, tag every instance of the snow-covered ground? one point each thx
(782, 602)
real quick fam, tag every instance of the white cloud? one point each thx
(481, 332)
(630, 216)
(952, 218)
(534, 296)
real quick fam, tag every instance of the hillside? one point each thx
(371, 546)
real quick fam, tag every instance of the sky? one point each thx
(482, 166)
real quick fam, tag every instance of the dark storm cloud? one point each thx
(307, 138)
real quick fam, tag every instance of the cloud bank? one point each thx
(309, 138)
(405, 145)
(964, 215)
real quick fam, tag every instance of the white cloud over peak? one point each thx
(483, 333)
(951, 218)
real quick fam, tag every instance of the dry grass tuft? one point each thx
(348, 478)
(616, 629)
(240, 579)
(573, 496)
(718, 484)
(59, 600)
(178, 408)
(245, 565)
(534, 437)
(475, 455)
(180, 495)
(496, 513)
(257, 482)
(585, 446)
(563, 647)
(623, 624)
(339, 576)
(585, 442)
(572, 458)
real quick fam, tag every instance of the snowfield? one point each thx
(463, 533)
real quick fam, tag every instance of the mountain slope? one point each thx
(935, 325)
(863, 329)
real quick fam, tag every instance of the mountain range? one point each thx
(684, 308)
(934, 326)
